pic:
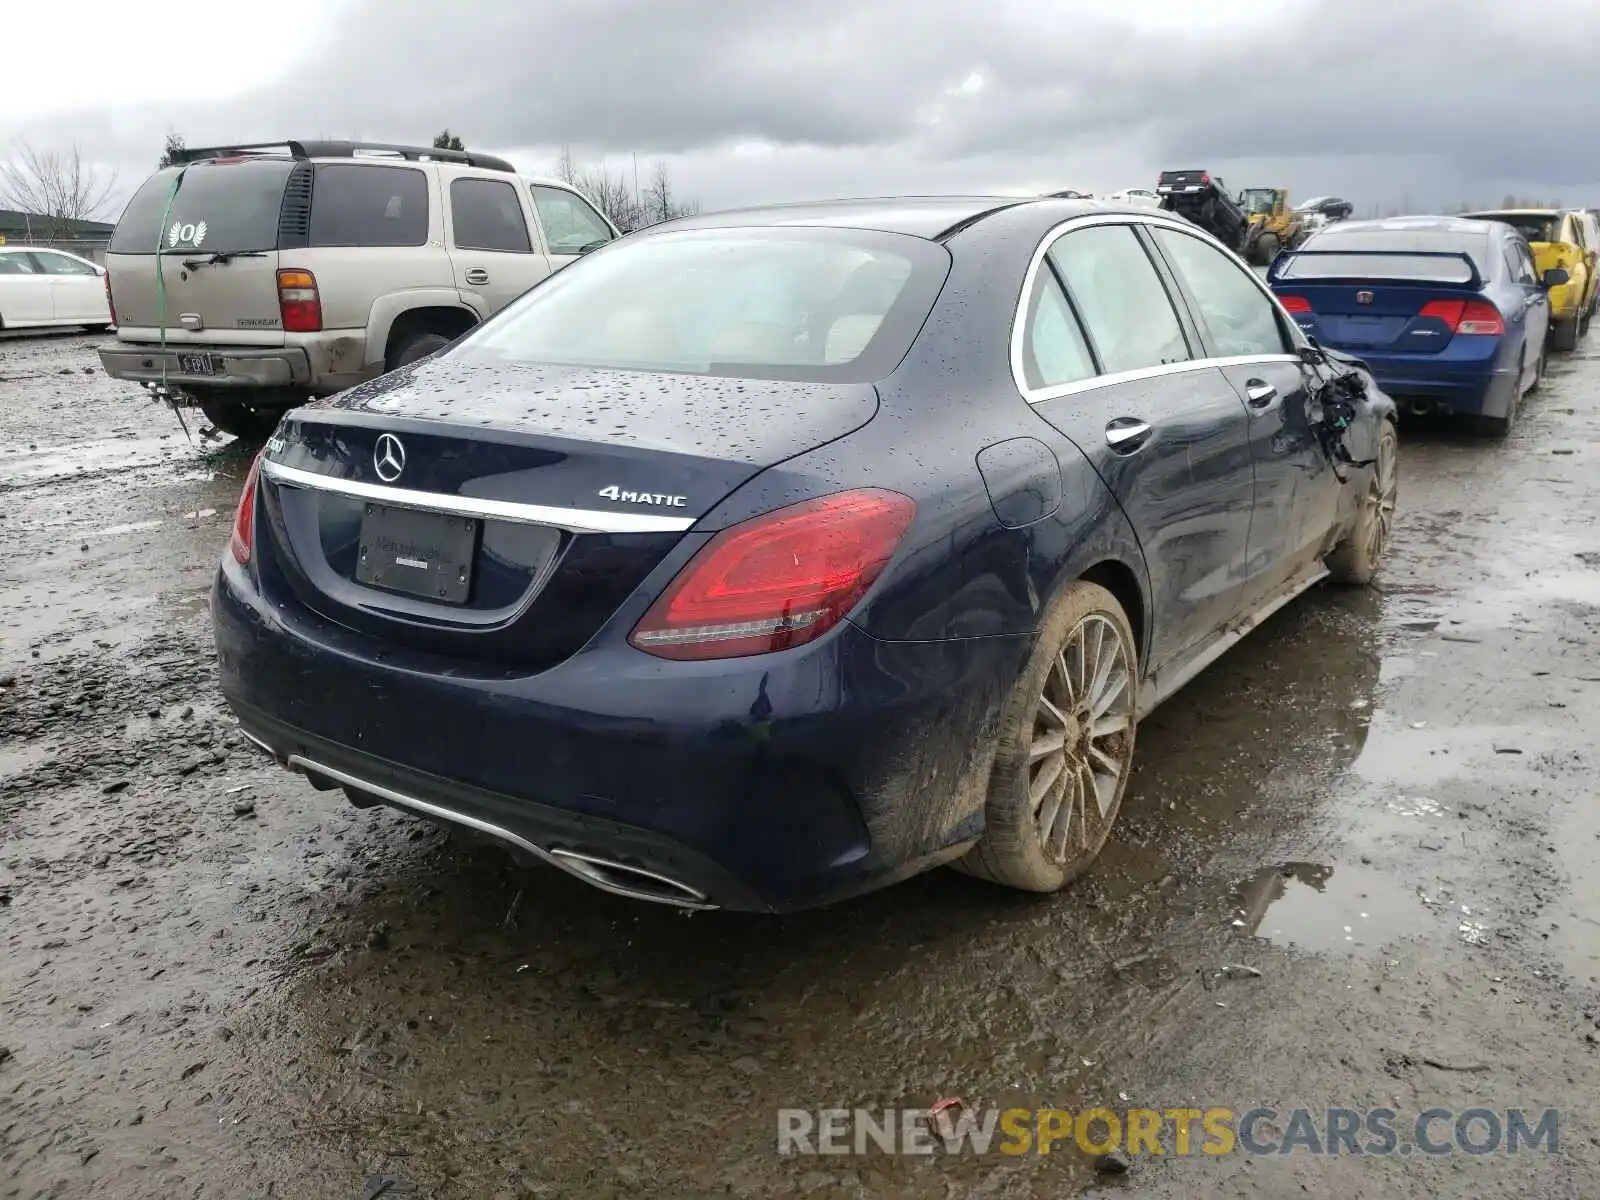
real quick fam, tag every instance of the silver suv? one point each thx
(274, 273)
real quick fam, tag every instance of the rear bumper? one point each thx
(1419, 387)
(773, 783)
(317, 364)
(242, 366)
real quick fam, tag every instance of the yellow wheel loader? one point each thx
(1273, 224)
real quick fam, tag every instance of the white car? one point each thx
(1142, 196)
(43, 288)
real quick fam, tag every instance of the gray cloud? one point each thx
(1426, 100)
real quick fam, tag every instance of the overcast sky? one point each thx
(1424, 102)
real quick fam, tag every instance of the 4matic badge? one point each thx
(617, 495)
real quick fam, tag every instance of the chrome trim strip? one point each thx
(575, 520)
(257, 742)
(428, 808)
(1020, 317)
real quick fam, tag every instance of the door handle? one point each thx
(1127, 434)
(477, 275)
(1259, 393)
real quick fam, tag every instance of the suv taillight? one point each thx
(298, 302)
(244, 517)
(778, 580)
(1295, 304)
(111, 305)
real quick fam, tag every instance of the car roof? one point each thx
(1517, 212)
(1458, 225)
(384, 160)
(920, 216)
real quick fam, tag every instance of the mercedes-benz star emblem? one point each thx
(389, 457)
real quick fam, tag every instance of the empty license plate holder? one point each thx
(417, 553)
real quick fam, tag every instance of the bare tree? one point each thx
(172, 153)
(55, 184)
(613, 195)
(660, 202)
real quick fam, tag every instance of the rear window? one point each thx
(360, 205)
(228, 207)
(809, 304)
(1392, 262)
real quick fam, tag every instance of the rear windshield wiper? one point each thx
(221, 256)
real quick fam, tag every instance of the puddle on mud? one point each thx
(1311, 906)
(18, 760)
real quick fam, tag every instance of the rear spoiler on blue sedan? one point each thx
(1473, 281)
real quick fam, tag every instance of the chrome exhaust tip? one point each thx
(625, 879)
(618, 878)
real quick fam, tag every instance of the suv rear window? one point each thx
(224, 207)
(810, 304)
(359, 205)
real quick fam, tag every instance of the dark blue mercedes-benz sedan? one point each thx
(763, 558)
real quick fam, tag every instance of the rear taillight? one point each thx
(111, 305)
(1295, 303)
(1465, 316)
(778, 580)
(244, 517)
(298, 302)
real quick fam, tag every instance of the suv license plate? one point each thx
(419, 553)
(199, 364)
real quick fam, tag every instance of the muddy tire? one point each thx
(1065, 747)
(245, 421)
(1355, 561)
(1267, 248)
(1564, 335)
(417, 346)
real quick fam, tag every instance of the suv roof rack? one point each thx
(298, 149)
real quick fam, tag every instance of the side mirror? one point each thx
(1555, 277)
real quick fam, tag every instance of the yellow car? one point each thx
(1558, 239)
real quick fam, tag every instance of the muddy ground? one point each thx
(216, 982)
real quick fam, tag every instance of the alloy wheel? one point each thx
(1081, 743)
(1381, 499)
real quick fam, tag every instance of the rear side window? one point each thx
(1123, 301)
(360, 205)
(838, 305)
(16, 264)
(1054, 350)
(486, 215)
(1237, 314)
(229, 208)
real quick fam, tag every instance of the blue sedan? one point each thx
(1449, 314)
(764, 558)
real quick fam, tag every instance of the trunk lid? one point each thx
(1376, 300)
(218, 251)
(525, 503)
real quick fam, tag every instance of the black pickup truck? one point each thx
(1202, 198)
